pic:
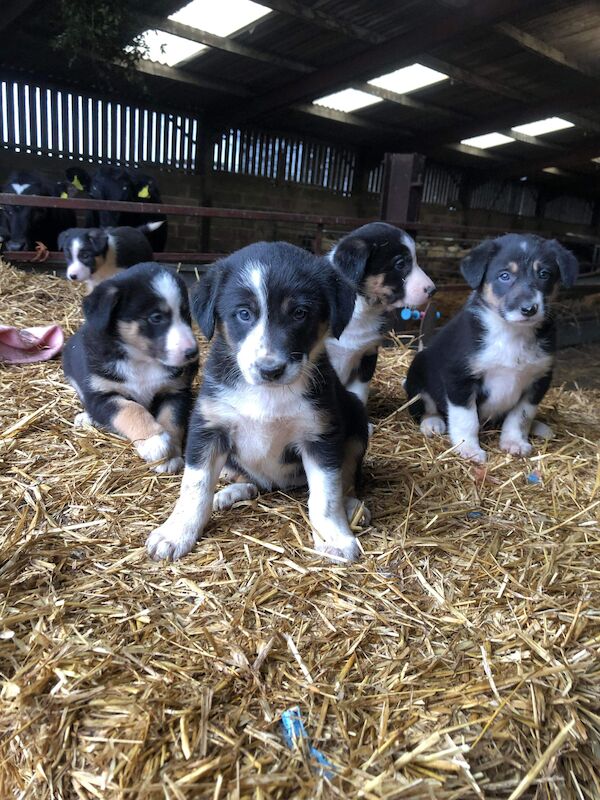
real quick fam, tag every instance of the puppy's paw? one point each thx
(83, 420)
(342, 549)
(516, 447)
(370, 429)
(472, 452)
(232, 494)
(155, 448)
(432, 426)
(541, 430)
(169, 542)
(171, 466)
(353, 506)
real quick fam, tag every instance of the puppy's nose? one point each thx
(191, 353)
(430, 290)
(271, 370)
(529, 311)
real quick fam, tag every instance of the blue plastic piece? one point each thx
(406, 313)
(534, 478)
(416, 314)
(474, 514)
(293, 730)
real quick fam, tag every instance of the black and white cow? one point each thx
(23, 227)
(117, 183)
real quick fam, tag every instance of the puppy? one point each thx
(381, 261)
(95, 254)
(271, 407)
(133, 361)
(493, 360)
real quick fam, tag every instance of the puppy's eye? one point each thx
(401, 263)
(244, 314)
(156, 318)
(299, 313)
(504, 276)
(544, 274)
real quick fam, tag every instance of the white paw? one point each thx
(169, 542)
(343, 548)
(171, 466)
(83, 420)
(516, 447)
(354, 505)
(432, 425)
(472, 451)
(234, 493)
(156, 447)
(541, 430)
(370, 429)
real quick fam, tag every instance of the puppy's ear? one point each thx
(100, 305)
(204, 299)
(351, 256)
(567, 263)
(98, 240)
(474, 265)
(341, 294)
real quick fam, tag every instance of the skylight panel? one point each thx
(409, 79)
(347, 100)
(487, 140)
(169, 49)
(221, 18)
(543, 126)
(596, 160)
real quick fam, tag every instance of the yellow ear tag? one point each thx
(144, 193)
(64, 196)
(77, 184)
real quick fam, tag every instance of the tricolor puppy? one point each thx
(95, 254)
(381, 261)
(133, 361)
(493, 361)
(271, 408)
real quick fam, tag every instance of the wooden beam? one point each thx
(545, 50)
(446, 27)
(349, 119)
(582, 154)
(12, 10)
(157, 70)
(322, 20)
(474, 79)
(220, 42)
(408, 101)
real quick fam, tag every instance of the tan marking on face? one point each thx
(489, 296)
(166, 418)
(130, 334)
(513, 267)
(134, 422)
(536, 266)
(376, 290)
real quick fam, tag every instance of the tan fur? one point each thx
(376, 289)
(489, 296)
(130, 334)
(166, 419)
(354, 451)
(513, 267)
(134, 422)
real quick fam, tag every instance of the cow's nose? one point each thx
(529, 311)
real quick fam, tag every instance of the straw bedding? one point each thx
(458, 659)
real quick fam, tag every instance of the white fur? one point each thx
(156, 447)
(179, 336)
(517, 317)
(516, 427)
(432, 425)
(361, 335)
(76, 271)
(19, 188)
(256, 345)
(510, 360)
(181, 531)
(416, 288)
(234, 493)
(463, 427)
(145, 378)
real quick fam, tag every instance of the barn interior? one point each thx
(459, 658)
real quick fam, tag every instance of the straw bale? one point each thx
(457, 659)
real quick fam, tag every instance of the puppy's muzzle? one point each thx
(270, 369)
(529, 310)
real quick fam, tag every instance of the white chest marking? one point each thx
(262, 423)
(143, 380)
(509, 362)
(363, 334)
(19, 188)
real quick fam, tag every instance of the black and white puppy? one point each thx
(493, 360)
(271, 408)
(381, 261)
(133, 361)
(95, 254)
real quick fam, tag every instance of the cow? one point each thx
(26, 227)
(117, 183)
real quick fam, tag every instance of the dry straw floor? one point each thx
(458, 659)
